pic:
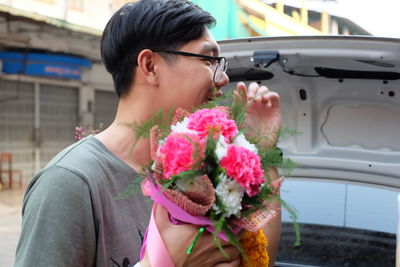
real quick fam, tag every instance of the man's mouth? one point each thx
(213, 94)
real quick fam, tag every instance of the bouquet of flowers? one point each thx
(207, 172)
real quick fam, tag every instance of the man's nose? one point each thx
(224, 80)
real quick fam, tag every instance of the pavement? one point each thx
(10, 224)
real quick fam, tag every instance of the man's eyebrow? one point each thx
(207, 48)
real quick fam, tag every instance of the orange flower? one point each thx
(255, 246)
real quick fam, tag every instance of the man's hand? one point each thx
(264, 118)
(263, 115)
(177, 239)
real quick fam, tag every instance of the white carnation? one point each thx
(240, 140)
(230, 193)
(221, 148)
(216, 208)
(182, 127)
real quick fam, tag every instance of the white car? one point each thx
(342, 94)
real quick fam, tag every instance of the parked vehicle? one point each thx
(342, 93)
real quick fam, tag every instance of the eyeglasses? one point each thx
(220, 62)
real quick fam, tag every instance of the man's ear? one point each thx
(147, 66)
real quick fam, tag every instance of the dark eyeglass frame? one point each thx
(187, 54)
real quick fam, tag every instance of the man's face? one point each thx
(187, 82)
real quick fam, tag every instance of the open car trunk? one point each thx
(343, 95)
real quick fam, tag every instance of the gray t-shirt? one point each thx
(70, 216)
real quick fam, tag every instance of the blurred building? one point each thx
(242, 18)
(51, 76)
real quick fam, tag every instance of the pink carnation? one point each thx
(180, 152)
(204, 120)
(245, 167)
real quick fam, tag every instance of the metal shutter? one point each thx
(106, 104)
(58, 118)
(17, 124)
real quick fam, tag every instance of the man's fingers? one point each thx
(259, 94)
(263, 90)
(253, 89)
(233, 263)
(177, 239)
(274, 99)
(161, 216)
(229, 249)
(232, 252)
(241, 92)
(241, 85)
(266, 100)
(210, 254)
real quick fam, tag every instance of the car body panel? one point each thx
(343, 95)
(349, 127)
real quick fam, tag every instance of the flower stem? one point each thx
(189, 251)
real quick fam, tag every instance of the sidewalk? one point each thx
(10, 224)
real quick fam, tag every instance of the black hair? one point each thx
(148, 24)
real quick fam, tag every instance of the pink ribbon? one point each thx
(156, 251)
(158, 254)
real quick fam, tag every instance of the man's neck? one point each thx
(122, 139)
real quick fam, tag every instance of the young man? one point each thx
(160, 54)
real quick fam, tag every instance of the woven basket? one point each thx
(180, 113)
(256, 220)
(196, 202)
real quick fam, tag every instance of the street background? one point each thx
(38, 113)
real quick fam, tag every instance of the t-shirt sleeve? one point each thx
(58, 225)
